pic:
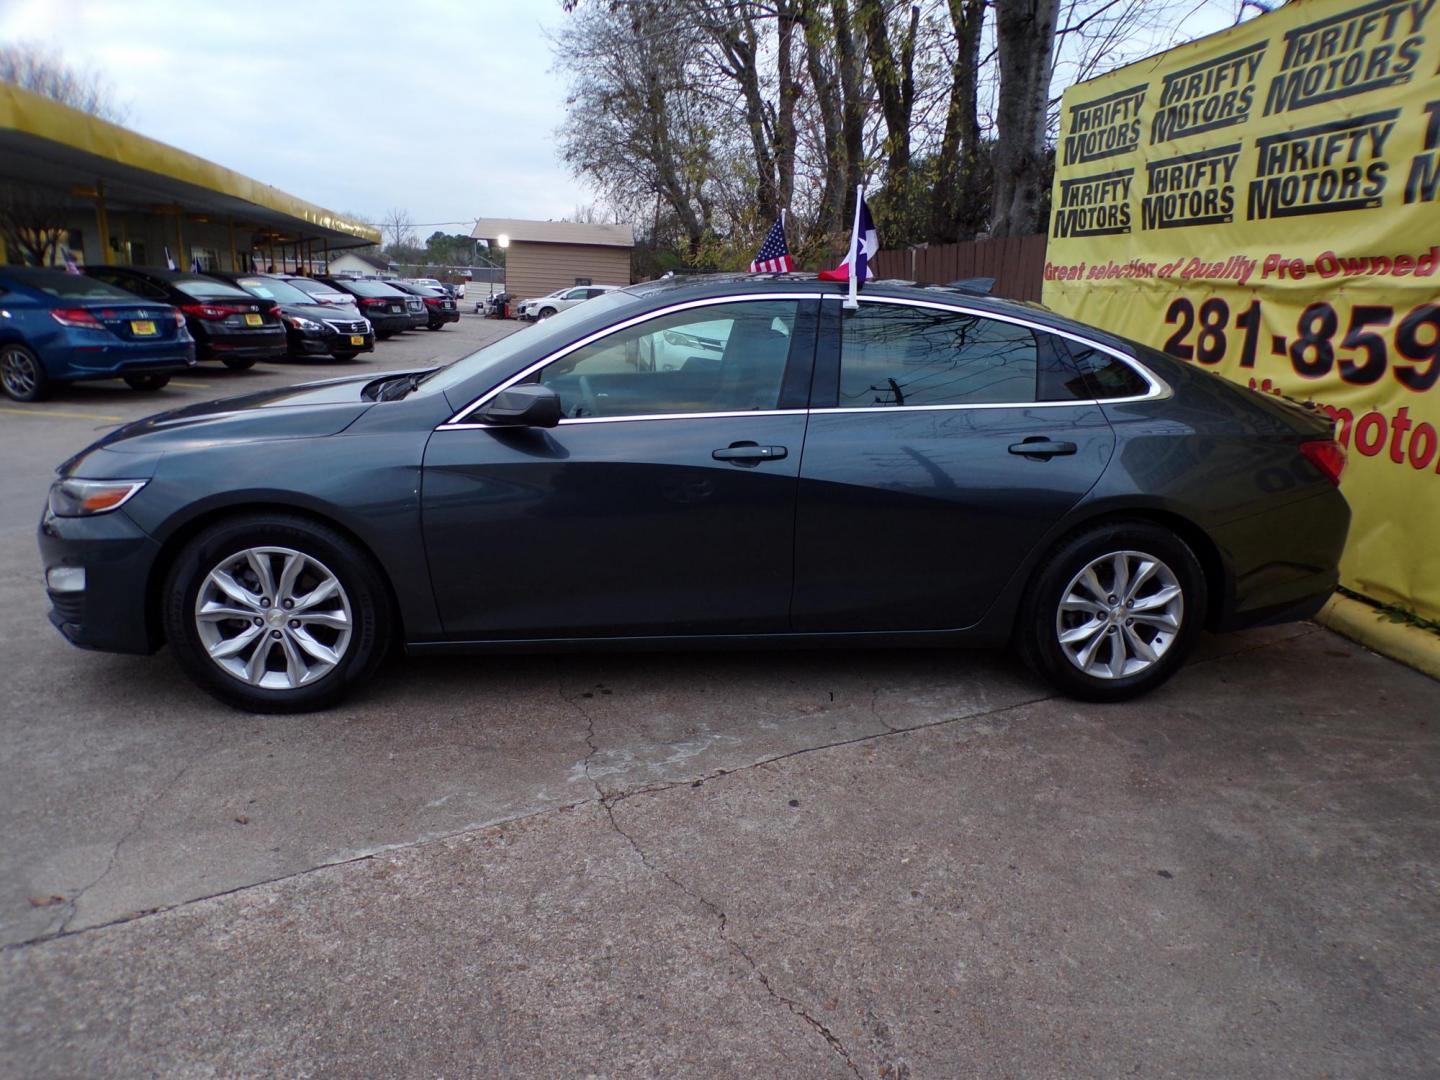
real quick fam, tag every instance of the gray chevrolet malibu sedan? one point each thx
(730, 461)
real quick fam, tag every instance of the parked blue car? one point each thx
(57, 328)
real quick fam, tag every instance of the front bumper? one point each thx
(315, 343)
(110, 612)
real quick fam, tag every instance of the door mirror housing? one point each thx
(525, 405)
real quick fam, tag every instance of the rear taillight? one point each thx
(373, 301)
(207, 311)
(1328, 456)
(77, 317)
(179, 318)
(432, 301)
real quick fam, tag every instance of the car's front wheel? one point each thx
(147, 382)
(276, 614)
(546, 312)
(1113, 611)
(22, 375)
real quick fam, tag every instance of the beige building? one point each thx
(543, 256)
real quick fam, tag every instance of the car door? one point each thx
(662, 504)
(930, 468)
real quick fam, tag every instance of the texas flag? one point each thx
(71, 267)
(864, 243)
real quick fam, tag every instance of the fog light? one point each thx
(65, 578)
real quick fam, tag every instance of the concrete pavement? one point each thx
(878, 864)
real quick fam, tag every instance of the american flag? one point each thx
(71, 267)
(774, 256)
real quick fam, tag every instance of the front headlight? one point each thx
(304, 324)
(85, 498)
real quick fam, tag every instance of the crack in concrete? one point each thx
(606, 800)
(73, 903)
(722, 922)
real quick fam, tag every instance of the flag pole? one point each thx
(852, 301)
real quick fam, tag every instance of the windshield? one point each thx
(497, 357)
(282, 292)
(316, 288)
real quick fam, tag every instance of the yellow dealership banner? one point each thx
(1265, 203)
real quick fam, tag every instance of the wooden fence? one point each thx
(1017, 263)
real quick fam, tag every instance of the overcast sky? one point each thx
(446, 108)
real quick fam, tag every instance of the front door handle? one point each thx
(1041, 447)
(747, 453)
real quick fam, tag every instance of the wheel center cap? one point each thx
(275, 616)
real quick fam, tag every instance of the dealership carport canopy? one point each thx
(95, 164)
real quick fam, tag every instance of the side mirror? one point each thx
(525, 405)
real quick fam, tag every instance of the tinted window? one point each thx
(205, 289)
(723, 358)
(370, 288)
(76, 287)
(896, 355)
(134, 285)
(1073, 371)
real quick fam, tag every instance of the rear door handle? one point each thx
(749, 453)
(1040, 447)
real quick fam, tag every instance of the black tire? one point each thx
(363, 586)
(435, 326)
(239, 363)
(545, 313)
(383, 335)
(1038, 628)
(22, 376)
(345, 354)
(147, 382)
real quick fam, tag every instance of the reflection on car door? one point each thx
(917, 500)
(664, 503)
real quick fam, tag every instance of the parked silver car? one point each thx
(544, 306)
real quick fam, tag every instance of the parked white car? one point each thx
(544, 306)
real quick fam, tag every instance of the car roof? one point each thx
(678, 287)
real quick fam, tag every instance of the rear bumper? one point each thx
(441, 317)
(1282, 565)
(112, 361)
(110, 612)
(389, 324)
(261, 346)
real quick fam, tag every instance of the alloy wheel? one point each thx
(18, 373)
(273, 617)
(1120, 614)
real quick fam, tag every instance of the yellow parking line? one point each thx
(42, 413)
(190, 385)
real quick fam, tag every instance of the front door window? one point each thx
(719, 358)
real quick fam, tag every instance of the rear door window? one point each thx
(898, 355)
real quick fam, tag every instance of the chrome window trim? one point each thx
(448, 426)
(457, 422)
(1158, 387)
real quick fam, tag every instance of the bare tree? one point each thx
(32, 223)
(396, 224)
(1025, 46)
(957, 165)
(33, 67)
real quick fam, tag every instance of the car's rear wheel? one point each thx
(384, 335)
(1113, 611)
(22, 375)
(276, 614)
(239, 363)
(147, 382)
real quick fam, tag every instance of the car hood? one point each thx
(309, 311)
(293, 412)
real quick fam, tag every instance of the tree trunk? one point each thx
(852, 104)
(827, 103)
(959, 156)
(894, 77)
(789, 95)
(1025, 44)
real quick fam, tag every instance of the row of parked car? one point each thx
(142, 324)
